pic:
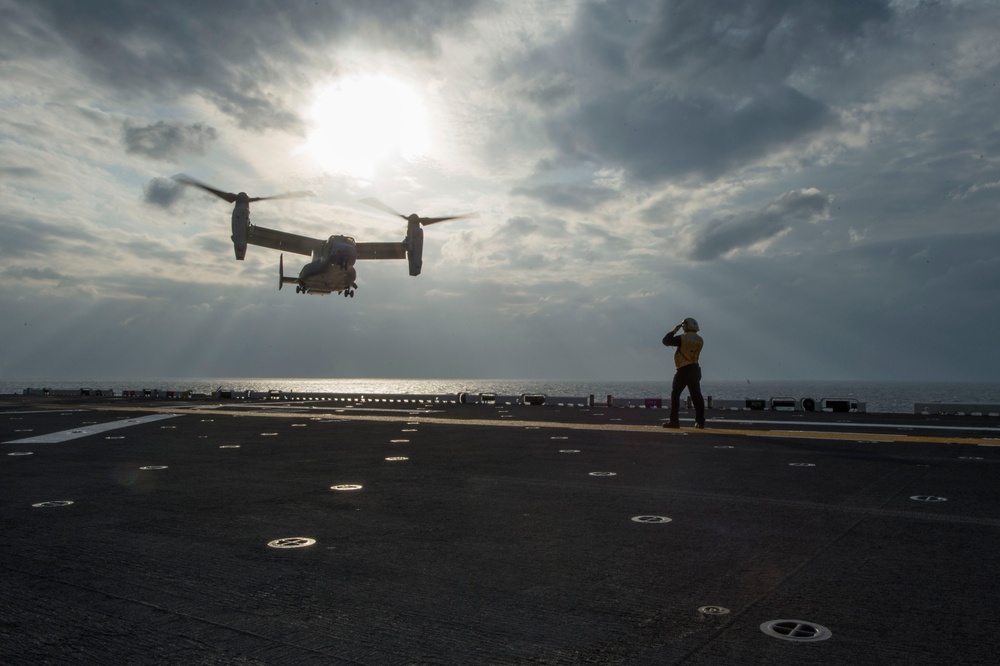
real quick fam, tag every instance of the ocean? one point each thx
(881, 397)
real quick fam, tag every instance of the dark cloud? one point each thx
(236, 54)
(166, 141)
(31, 273)
(19, 172)
(678, 89)
(733, 38)
(163, 192)
(573, 196)
(22, 236)
(656, 136)
(722, 236)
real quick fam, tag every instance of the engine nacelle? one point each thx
(415, 246)
(241, 225)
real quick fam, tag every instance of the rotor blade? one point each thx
(286, 195)
(188, 180)
(375, 203)
(434, 220)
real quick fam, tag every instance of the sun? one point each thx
(358, 123)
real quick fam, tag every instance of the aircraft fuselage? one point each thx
(332, 268)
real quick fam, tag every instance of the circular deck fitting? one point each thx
(603, 473)
(796, 630)
(291, 542)
(230, 446)
(801, 465)
(346, 486)
(153, 467)
(569, 450)
(928, 498)
(396, 458)
(21, 453)
(46, 505)
(651, 520)
(713, 610)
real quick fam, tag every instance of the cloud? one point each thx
(724, 236)
(162, 192)
(167, 141)
(572, 196)
(25, 236)
(964, 192)
(657, 136)
(680, 89)
(243, 57)
(29, 273)
(744, 42)
(19, 172)
(773, 168)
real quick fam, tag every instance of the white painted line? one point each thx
(41, 411)
(86, 431)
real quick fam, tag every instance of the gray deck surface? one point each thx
(502, 538)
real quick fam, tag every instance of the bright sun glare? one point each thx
(357, 123)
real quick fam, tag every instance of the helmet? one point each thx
(690, 325)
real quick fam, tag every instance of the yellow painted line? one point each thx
(619, 427)
(852, 436)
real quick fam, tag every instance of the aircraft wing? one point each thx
(282, 240)
(381, 250)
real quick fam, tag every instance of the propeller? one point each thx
(375, 203)
(231, 197)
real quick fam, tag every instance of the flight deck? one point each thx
(289, 532)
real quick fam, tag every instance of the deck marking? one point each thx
(844, 436)
(848, 424)
(86, 431)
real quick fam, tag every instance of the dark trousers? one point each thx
(687, 377)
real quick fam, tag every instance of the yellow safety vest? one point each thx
(689, 350)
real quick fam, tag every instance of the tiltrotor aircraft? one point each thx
(332, 266)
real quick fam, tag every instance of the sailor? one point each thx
(688, 374)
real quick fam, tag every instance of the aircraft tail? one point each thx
(282, 280)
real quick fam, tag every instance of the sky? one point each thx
(816, 182)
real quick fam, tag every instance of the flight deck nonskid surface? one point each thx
(500, 534)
